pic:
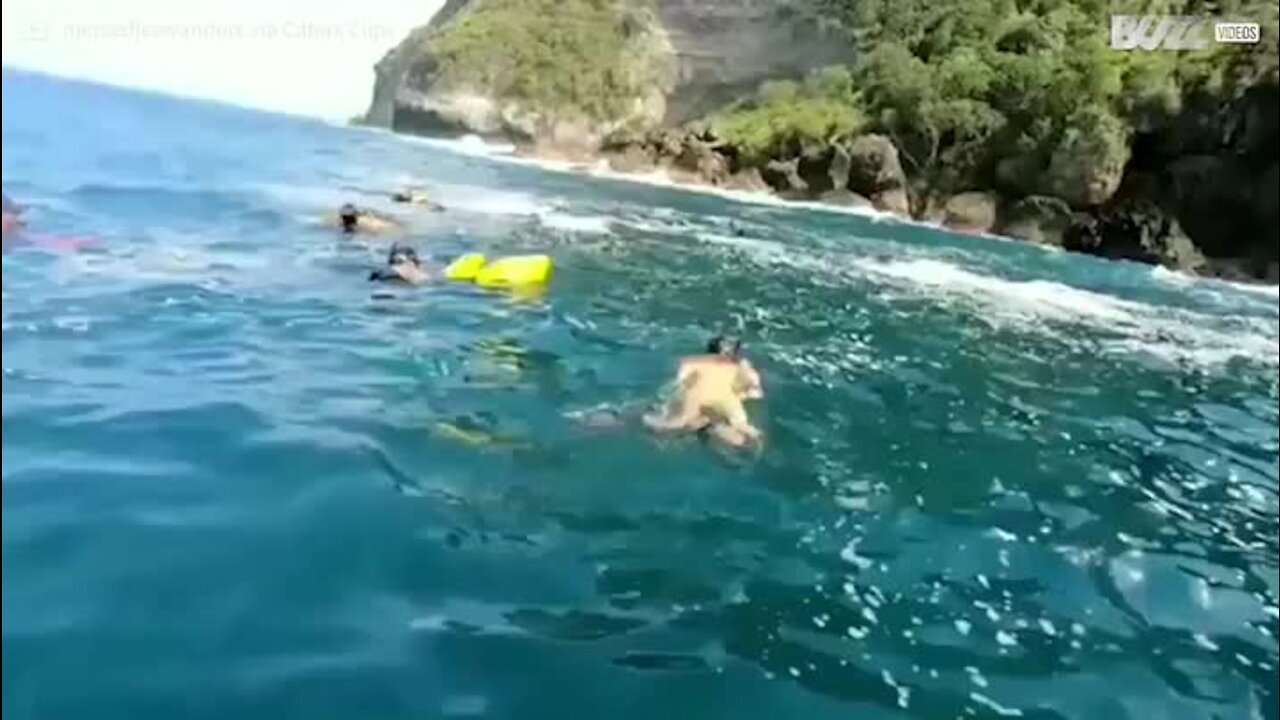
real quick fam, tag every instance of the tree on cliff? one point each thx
(585, 58)
(1020, 94)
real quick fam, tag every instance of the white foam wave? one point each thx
(659, 178)
(470, 145)
(478, 145)
(575, 223)
(1184, 279)
(1126, 326)
(1271, 291)
(1173, 334)
(1037, 298)
(494, 202)
(1173, 277)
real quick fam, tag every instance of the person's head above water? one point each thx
(400, 254)
(12, 216)
(403, 265)
(409, 195)
(349, 216)
(725, 346)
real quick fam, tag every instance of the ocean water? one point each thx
(239, 483)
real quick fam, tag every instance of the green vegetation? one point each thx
(594, 58)
(995, 92)
(786, 114)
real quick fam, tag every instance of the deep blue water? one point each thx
(998, 481)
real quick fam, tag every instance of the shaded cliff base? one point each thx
(1201, 212)
(1198, 195)
(1201, 198)
(743, 189)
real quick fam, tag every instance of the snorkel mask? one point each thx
(349, 217)
(402, 254)
(725, 346)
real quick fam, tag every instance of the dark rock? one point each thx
(566, 140)
(1087, 166)
(1213, 167)
(784, 176)
(669, 143)
(1015, 175)
(844, 198)
(1210, 125)
(706, 134)
(824, 169)
(814, 167)
(620, 141)
(632, 159)
(1137, 230)
(1235, 270)
(747, 180)
(1266, 206)
(927, 202)
(1038, 219)
(702, 161)
(874, 167)
(894, 201)
(1211, 197)
(838, 167)
(1261, 120)
(971, 212)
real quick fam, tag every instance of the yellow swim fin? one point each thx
(477, 438)
(465, 267)
(514, 271)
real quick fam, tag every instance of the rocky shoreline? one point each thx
(867, 172)
(1015, 131)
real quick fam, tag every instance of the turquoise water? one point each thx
(999, 482)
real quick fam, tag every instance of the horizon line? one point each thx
(9, 66)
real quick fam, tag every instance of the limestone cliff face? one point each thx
(400, 77)
(719, 50)
(726, 48)
(1195, 191)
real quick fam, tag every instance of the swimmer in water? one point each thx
(403, 266)
(709, 392)
(12, 216)
(415, 196)
(352, 220)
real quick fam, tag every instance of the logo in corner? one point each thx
(1157, 32)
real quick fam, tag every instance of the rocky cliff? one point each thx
(726, 48)
(701, 54)
(972, 114)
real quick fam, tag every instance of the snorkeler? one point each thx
(709, 392)
(12, 216)
(403, 266)
(415, 196)
(352, 220)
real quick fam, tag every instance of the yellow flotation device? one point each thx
(512, 271)
(467, 436)
(465, 267)
(467, 432)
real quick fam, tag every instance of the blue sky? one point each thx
(312, 57)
